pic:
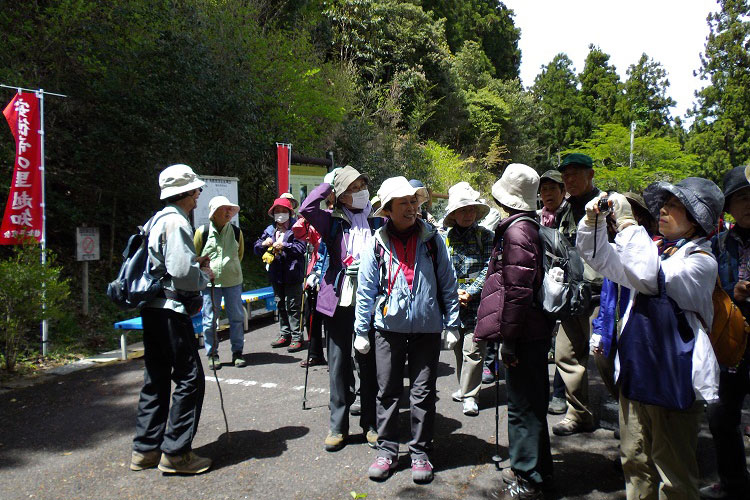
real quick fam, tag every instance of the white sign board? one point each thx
(87, 243)
(215, 186)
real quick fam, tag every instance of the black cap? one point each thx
(734, 180)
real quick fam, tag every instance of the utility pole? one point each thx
(632, 138)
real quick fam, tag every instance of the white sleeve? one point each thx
(631, 261)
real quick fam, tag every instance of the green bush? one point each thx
(22, 295)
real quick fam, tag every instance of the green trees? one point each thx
(720, 134)
(601, 89)
(645, 101)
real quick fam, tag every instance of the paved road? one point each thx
(70, 437)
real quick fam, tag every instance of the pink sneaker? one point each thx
(421, 471)
(380, 469)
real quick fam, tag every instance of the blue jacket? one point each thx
(289, 266)
(606, 321)
(409, 311)
(726, 248)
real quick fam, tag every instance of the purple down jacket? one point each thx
(508, 309)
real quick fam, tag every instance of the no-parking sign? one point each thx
(87, 243)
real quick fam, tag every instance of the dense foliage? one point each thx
(423, 88)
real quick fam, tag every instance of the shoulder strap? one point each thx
(432, 250)
(236, 233)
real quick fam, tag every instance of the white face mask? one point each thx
(281, 218)
(360, 199)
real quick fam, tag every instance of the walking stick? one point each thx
(497, 458)
(214, 323)
(307, 355)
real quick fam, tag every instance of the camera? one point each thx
(603, 205)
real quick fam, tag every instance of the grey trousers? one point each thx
(288, 301)
(391, 353)
(470, 357)
(571, 356)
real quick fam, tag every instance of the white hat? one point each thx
(178, 179)
(221, 201)
(517, 187)
(463, 195)
(290, 196)
(398, 187)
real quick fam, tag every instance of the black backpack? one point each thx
(572, 295)
(135, 285)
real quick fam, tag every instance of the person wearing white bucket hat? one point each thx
(224, 244)
(469, 247)
(164, 435)
(407, 279)
(509, 312)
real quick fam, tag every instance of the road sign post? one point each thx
(87, 248)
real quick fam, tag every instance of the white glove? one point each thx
(312, 281)
(451, 337)
(362, 344)
(590, 210)
(622, 212)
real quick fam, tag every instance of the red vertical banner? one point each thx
(283, 159)
(23, 211)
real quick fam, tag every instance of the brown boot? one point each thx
(141, 460)
(521, 489)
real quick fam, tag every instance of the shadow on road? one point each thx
(270, 358)
(247, 444)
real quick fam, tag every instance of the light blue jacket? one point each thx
(409, 311)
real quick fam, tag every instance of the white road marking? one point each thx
(264, 385)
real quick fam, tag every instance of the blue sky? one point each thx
(672, 32)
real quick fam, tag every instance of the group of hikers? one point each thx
(390, 284)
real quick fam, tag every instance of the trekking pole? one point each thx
(497, 458)
(214, 324)
(307, 355)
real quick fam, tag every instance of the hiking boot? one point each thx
(381, 469)
(141, 460)
(568, 426)
(487, 376)
(356, 407)
(557, 406)
(509, 477)
(521, 489)
(311, 361)
(421, 471)
(471, 408)
(457, 396)
(281, 342)
(372, 438)
(238, 360)
(186, 463)
(214, 363)
(296, 346)
(714, 491)
(334, 441)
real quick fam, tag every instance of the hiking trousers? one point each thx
(170, 355)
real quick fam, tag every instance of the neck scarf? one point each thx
(667, 248)
(359, 233)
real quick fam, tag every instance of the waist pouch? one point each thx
(192, 301)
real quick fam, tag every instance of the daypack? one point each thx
(204, 231)
(563, 292)
(135, 285)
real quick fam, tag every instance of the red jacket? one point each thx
(508, 310)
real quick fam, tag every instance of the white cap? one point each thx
(398, 187)
(178, 179)
(221, 201)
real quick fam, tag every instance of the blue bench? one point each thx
(248, 298)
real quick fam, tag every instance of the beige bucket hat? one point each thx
(178, 179)
(221, 201)
(517, 187)
(463, 195)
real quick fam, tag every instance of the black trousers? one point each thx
(340, 331)
(171, 355)
(528, 388)
(724, 419)
(314, 324)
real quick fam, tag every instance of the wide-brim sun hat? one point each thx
(398, 187)
(290, 196)
(345, 177)
(281, 202)
(221, 201)
(463, 195)
(702, 199)
(517, 187)
(178, 179)
(734, 180)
